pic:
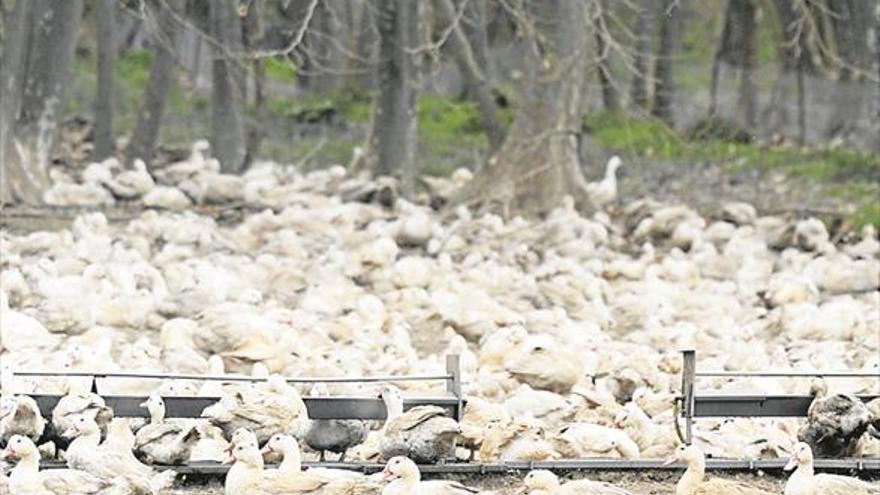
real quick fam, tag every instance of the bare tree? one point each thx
(796, 57)
(850, 23)
(664, 80)
(538, 165)
(603, 65)
(36, 66)
(227, 88)
(737, 49)
(639, 93)
(104, 142)
(474, 71)
(146, 133)
(395, 120)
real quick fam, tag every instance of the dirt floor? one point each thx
(639, 483)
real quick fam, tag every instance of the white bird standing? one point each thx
(604, 192)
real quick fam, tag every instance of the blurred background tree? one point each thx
(534, 95)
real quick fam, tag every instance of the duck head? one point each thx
(82, 425)
(687, 454)
(540, 479)
(401, 468)
(156, 406)
(20, 448)
(801, 454)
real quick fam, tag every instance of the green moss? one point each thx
(280, 69)
(133, 69)
(868, 213)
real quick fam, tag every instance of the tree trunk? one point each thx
(849, 26)
(395, 121)
(664, 80)
(537, 165)
(475, 76)
(253, 38)
(104, 141)
(146, 132)
(644, 50)
(40, 57)
(748, 53)
(227, 88)
(876, 57)
(603, 67)
(796, 58)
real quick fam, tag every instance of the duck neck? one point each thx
(28, 465)
(804, 471)
(292, 462)
(239, 474)
(405, 484)
(692, 478)
(157, 415)
(394, 408)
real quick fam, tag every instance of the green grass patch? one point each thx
(280, 69)
(133, 69)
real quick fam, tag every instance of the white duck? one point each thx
(161, 441)
(407, 480)
(20, 415)
(804, 482)
(542, 482)
(265, 410)
(604, 192)
(422, 433)
(247, 476)
(693, 480)
(84, 453)
(26, 477)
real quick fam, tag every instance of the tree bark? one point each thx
(227, 89)
(876, 57)
(848, 22)
(146, 132)
(253, 38)
(40, 62)
(538, 165)
(603, 67)
(476, 79)
(664, 73)
(644, 51)
(395, 120)
(104, 141)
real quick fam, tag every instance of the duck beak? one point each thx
(143, 405)
(8, 453)
(70, 433)
(670, 461)
(387, 475)
(792, 464)
(266, 450)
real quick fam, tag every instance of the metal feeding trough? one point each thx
(692, 406)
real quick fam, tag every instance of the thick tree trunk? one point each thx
(104, 141)
(737, 50)
(643, 57)
(537, 166)
(664, 73)
(395, 121)
(146, 133)
(40, 62)
(475, 75)
(227, 89)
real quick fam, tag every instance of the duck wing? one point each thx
(832, 484)
(718, 486)
(590, 487)
(71, 482)
(414, 417)
(155, 433)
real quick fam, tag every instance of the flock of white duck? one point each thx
(569, 330)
